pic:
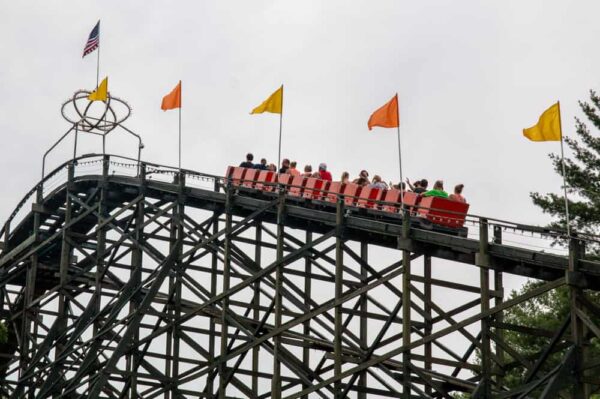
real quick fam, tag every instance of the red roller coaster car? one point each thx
(433, 213)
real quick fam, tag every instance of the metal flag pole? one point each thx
(98, 58)
(280, 125)
(75, 144)
(180, 89)
(97, 84)
(562, 161)
(399, 152)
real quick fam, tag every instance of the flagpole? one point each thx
(399, 153)
(562, 161)
(180, 89)
(98, 58)
(98, 68)
(97, 83)
(280, 125)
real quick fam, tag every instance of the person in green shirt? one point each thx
(437, 191)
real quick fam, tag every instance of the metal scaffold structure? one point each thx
(122, 278)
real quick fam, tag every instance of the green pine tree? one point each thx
(583, 186)
(547, 311)
(582, 176)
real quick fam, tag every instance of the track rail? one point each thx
(130, 279)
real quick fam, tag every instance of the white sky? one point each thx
(470, 75)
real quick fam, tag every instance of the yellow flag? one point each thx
(548, 126)
(273, 104)
(101, 93)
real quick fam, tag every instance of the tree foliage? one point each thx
(548, 311)
(545, 312)
(582, 177)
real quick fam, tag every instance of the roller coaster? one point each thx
(123, 278)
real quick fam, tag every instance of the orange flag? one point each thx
(173, 99)
(386, 116)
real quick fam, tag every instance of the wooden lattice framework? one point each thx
(144, 284)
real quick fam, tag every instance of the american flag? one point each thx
(93, 41)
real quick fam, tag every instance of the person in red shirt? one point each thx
(323, 173)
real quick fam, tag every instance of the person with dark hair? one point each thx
(417, 187)
(323, 173)
(400, 186)
(437, 191)
(424, 184)
(262, 165)
(272, 167)
(285, 165)
(292, 170)
(362, 179)
(457, 196)
(248, 162)
(307, 171)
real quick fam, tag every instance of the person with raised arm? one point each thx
(417, 186)
(363, 177)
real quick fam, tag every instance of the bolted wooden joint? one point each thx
(281, 210)
(498, 293)
(482, 260)
(406, 244)
(39, 208)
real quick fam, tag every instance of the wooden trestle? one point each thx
(145, 285)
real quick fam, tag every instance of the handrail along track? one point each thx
(120, 217)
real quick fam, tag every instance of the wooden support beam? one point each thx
(276, 386)
(226, 287)
(339, 276)
(364, 320)
(309, 310)
(406, 300)
(581, 390)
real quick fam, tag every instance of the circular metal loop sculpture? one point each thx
(91, 118)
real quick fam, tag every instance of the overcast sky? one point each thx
(470, 75)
